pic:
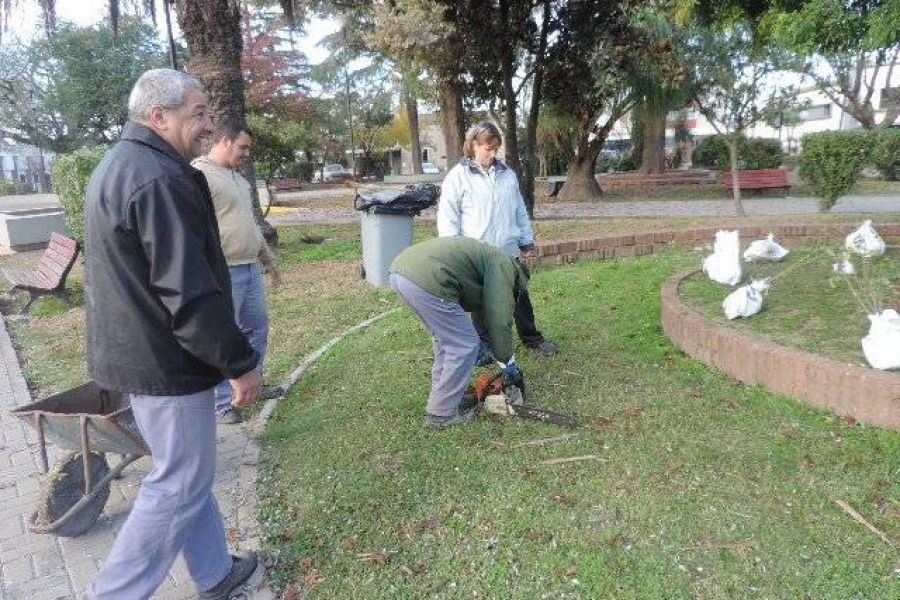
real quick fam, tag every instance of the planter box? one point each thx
(29, 228)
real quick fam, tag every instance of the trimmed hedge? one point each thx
(753, 153)
(831, 161)
(70, 175)
(11, 188)
(885, 152)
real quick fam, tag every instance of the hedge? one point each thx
(831, 161)
(70, 175)
(884, 152)
(753, 153)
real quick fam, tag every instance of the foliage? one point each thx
(754, 153)
(831, 162)
(9, 188)
(69, 90)
(856, 40)
(70, 175)
(884, 152)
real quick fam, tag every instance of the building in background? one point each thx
(26, 166)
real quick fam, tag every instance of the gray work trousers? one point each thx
(175, 510)
(454, 342)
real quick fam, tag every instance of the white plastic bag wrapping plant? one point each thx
(724, 264)
(747, 300)
(865, 241)
(765, 249)
(845, 266)
(882, 345)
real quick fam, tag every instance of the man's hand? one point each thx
(274, 276)
(246, 388)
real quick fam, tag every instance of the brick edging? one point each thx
(868, 395)
(618, 246)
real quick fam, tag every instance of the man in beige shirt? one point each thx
(243, 245)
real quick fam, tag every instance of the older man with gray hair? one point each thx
(161, 328)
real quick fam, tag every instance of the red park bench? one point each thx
(286, 184)
(759, 179)
(49, 276)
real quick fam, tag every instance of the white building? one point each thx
(22, 164)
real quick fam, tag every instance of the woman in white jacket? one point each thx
(480, 199)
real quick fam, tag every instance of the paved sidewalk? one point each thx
(45, 567)
(636, 208)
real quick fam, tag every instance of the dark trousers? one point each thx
(524, 318)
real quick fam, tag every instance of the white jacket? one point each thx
(484, 204)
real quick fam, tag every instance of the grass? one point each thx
(703, 488)
(810, 307)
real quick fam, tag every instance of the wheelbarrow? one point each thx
(90, 422)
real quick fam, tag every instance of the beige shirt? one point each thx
(242, 240)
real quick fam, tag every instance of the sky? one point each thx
(25, 19)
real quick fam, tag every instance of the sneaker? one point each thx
(271, 391)
(245, 577)
(545, 347)
(230, 416)
(461, 417)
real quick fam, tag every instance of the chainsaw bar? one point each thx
(536, 413)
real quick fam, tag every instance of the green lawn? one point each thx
(810, 306)
(701, 487)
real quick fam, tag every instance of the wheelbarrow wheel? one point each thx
(63, 486)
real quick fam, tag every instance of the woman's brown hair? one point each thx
(483, 132)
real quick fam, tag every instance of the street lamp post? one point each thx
(172, 58)
(42, 172)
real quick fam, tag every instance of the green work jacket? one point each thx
(481, 278)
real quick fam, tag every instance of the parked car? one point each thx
(430, 168)
(332, 172)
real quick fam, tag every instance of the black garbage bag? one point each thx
(409, 201)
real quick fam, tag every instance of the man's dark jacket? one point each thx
(160, 319)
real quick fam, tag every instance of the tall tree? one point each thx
(66, 91)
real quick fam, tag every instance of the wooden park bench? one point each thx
(286, 184)
(49, 276)
(759, 179)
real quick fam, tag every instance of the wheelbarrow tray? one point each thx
(101, 417)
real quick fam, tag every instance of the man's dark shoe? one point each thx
(545, 347)
(246, 576)
(461, 417)
(230, 416)
(271, 391)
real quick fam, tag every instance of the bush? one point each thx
(762, 154)
(884, 152)
(70, 176)
(831, 161)
(755, 153)
(11, 188)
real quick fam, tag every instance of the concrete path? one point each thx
(646, 208)
(45, 567)
(28, 201)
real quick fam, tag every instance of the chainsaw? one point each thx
(507, 399)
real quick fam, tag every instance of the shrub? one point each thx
(762, 154)
(884, 152)
(10, 188)
(831, 160)
(754, 153)
(70, 176)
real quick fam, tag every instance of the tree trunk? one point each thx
(531, 157)
(412, 115)
(581, 182)
(653, 155)
(735, 172)
(212, 29)
(453, 118)
(508, 71)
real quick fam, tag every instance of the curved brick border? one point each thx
(616, 246)
(866, 394)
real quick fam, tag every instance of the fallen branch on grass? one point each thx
(547, 441)
(862, 521)
(569, 459)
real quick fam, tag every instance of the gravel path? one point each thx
(648, 208)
